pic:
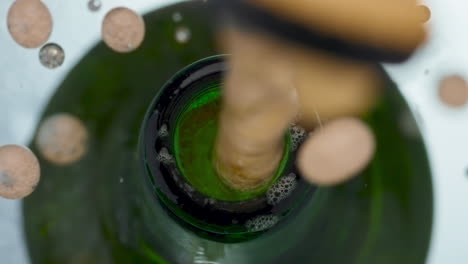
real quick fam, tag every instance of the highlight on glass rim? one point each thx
(233, 132)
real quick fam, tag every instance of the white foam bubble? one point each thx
(281, 189)
(164, 156)
(261, 223)
(298, 135)
(163, 132)
(177, 17)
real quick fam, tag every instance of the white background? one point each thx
(26, 86)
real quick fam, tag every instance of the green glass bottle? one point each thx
(138, 195)
(177, 144)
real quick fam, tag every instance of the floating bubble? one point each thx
(261, 223)
(123, 30)
(94, 5)
(281, 189)
(183, 34)
(177, 17)
(424, 12)
(164, 156)
(19, 172)
(453, 91)
(29, 23)
(62, 139)
(51, 56)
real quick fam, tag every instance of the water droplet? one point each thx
(51, 55)
(94, 5)
(62, 139)
(29, 23)
(123, 30)
(121, 180)
(19, 172)
(177, 17)
(453, 91)
(183, 34)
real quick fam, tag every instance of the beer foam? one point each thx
(164, 156)
(298, 135)
(261, 223)
(281, 189)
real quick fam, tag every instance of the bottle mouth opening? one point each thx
(185, 182)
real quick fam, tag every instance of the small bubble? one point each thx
(164, 156)
(188, 188)
(183, 34)
(94, 5)
(453, 91)
(177, 17)
(163, 132)
(51, 55)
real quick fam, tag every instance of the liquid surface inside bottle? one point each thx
(182, 126)
(195, 137)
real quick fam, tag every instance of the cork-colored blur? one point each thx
(392, 25)
(273, 83)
